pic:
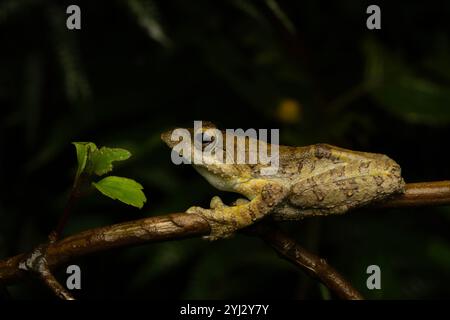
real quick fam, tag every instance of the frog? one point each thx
(314, 180)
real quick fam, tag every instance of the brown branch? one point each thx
(313, 265)
(160, 228)
(36, 262)
(182, 225)
(51, 282)
(421, 194)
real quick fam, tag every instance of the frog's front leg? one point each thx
(225, 220)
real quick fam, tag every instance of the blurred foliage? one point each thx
(310, 68)
(395, 86)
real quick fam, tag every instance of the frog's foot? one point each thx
(222, 226)
(216, 202)
(224, 220)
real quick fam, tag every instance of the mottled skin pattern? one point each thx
(314, 180)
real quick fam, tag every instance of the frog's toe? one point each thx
(208, 214)
(220, 227)
(216, 203)
(240, 201)
(197, 210)
(219, 230)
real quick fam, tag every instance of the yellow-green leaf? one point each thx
(103, 158)
(123, 189)
(83, 151)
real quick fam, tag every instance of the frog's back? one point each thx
(324, 179)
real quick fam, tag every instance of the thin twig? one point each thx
(51, 282)
(313, 265)
(73, 198)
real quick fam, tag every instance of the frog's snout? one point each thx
(166, 137)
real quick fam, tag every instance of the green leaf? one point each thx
(102, 159)
(122, 189)
(83, 151)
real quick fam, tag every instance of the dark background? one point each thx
(310, 68)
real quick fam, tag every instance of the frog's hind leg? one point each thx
(336, 192)
(333, 153)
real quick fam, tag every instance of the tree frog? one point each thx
(315, 180)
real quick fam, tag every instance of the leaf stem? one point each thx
(73, 198)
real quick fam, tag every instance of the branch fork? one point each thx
(181, 225)
(36, 263)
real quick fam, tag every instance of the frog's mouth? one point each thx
(215, 180)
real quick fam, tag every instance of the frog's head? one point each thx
(204, 148)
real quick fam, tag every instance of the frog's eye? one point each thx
(199, 138)
(205, 139)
